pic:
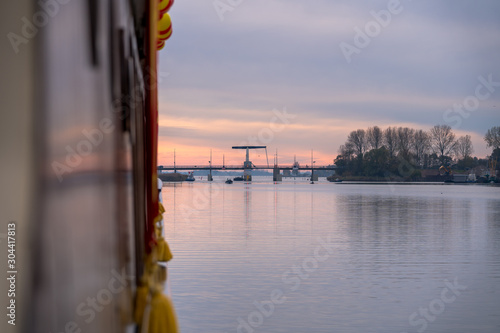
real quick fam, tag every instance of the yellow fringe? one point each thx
(154, 312)
(164, 253)
(141, 300)
(162, 317)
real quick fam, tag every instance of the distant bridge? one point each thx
(248, 166)
(242, 167)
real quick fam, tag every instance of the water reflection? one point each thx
(392, 252)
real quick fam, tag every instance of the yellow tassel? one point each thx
(156, 312)
(160, 249)
(164, 253)
(162, 317)
(141, 300)
(158, 231)
(162, 209)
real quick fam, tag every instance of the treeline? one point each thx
(403, 151)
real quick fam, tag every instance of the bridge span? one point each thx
(247, 168)
(242, 167)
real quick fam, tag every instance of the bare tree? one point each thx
(346, 150)
(390, 140)
(421, 146)
(443, 140)
(374, 137)
(492, 137)
(358, 140)
(463, 147)
(404, 140)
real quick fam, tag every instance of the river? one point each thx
(297, 257)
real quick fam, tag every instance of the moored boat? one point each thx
(190, 177)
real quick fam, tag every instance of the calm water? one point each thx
(295, 257)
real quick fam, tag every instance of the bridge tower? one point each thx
(210, 178)
(313, 176)
(248, 165)
(277, 177)
(295, 167)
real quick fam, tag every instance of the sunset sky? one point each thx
(299, 75)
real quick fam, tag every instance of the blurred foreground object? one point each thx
(79, 124)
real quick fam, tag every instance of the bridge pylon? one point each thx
(277, 177)
(248, 165)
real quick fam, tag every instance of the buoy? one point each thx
(164, 27)
(160, 45)
(164, 6)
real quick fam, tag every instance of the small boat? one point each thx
(229, 181)
(238, 179)
(190, 177)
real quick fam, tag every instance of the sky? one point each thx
(297, 76)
